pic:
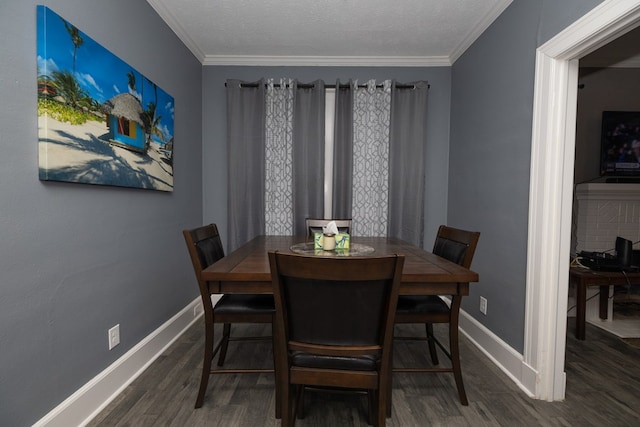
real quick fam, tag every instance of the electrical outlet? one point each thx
(114, 336)
(483, 305)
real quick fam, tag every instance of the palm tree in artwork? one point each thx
(155, 91)
(67, 86)
(76, 39)
(151, 123)
(132, 81)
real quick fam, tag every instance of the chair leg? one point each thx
(380, 416)
(224, 344)
(289, 399)
(455, 350)
(285, 412)
(300, 404)
(389, 392)
(276, 346)
(432, 343)
(371, 401)
(206, 362)
(384, 394)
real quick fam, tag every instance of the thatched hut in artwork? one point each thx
(125, 122)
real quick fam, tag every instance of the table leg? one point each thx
(604, 301)
(581, 308)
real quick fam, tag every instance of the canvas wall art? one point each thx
(99, 120)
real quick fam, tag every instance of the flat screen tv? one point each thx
(620, 143)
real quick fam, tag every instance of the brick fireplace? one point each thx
(602, 212)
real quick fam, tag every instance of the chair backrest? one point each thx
(336, 303)
(456, 245)
(315, 225)
(205, 248)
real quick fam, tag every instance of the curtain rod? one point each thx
(331, 86)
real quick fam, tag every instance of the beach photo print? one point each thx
(99, 120)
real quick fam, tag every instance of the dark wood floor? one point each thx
(603, 389)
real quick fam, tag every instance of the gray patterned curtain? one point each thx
(371, 118)
(294, 160)
(278, 182)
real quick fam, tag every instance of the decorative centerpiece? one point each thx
(330, 239)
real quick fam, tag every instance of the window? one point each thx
(329, 117)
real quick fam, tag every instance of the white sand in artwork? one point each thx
(82, 153)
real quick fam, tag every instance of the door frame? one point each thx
(551, 188)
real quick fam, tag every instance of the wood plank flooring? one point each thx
(603, 389)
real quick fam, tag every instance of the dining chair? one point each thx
(458, 246)
(205, 248)
(315, 225)
(334, 326)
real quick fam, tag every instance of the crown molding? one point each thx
(479, 28)
(172, 22)
(329, 61)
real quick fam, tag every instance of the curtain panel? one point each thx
(294, 182)
(246, 160)
(407, 159)
(278, 182)
(370, 198)
(308, 154)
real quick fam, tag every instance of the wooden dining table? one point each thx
(246, 270)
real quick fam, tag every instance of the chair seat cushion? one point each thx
(413, 304)
(359, 363)
(245, 304)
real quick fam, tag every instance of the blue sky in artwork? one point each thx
(98, 71)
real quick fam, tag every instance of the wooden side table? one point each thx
(582, 278)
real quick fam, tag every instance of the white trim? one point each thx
(478, 29)
(499, 352)
(328, 61)
(165, 14)
(551, 193)
(87, 402)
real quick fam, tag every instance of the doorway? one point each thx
(608, 114)
(551, 189)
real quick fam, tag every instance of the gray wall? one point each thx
(76, 259)
(491, 112)
(215, 134)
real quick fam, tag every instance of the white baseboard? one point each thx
(87, 402)
(502, 354)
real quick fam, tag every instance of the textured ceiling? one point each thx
(328, 32)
